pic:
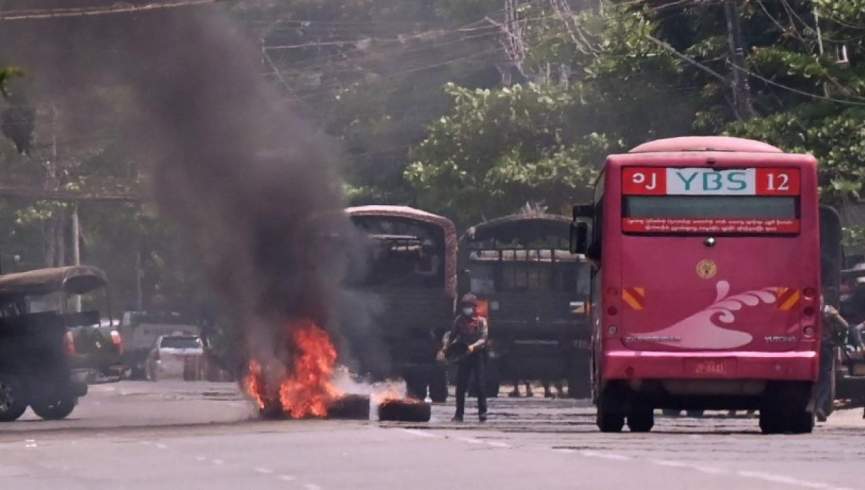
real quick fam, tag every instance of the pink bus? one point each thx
(706, 285)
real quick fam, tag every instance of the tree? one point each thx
(543, 142)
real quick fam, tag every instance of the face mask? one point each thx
(468, 311)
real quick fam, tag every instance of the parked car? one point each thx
(170, 354)
(140, 331)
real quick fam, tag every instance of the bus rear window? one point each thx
(710, 214)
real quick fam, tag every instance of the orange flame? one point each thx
(307, 390)
(252, 383)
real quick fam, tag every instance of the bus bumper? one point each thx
(656, 365)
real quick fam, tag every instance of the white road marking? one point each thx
(200, 458)
(787, 480)
(470, 440)
(613, 456)
(161, 446)
(709, 469)
(498, 444)
(217, 462)
(420, 433)
(287, 477)
(30, 443)
(263, 471)
(671, 464)
(311, 486)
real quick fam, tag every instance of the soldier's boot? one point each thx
(529, 393)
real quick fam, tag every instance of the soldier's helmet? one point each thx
(469, 299)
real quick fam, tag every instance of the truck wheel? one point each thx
(641, 419)
(13, 399)
(55, 410)
(438, 387)
(609, 417)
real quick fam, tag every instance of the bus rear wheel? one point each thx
(610, 418)
(641, 419)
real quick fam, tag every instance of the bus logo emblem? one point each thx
(707, 269)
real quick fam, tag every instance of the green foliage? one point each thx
(498, 149)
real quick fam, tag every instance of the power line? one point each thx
(11, 15)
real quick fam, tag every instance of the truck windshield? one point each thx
(402, 253)
(523, 270)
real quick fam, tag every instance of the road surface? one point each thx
(138, 435)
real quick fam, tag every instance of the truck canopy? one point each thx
(70, 280)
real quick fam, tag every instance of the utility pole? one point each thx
(76, 252)
(820, 45)
(741, 88)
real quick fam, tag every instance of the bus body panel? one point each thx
(672, 307)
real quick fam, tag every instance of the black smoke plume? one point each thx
(256, 189)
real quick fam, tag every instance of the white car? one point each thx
(169, 356)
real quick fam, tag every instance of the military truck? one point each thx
(37, 347)
(535, 295)
(411, 283)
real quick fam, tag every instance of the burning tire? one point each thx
(56, 409)
(404, 410)
(350, 407)
(13, 398)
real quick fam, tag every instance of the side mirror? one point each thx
(579, 238)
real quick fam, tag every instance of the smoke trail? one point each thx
(257, 190)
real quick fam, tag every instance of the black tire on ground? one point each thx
(438, 387)
(609, 417)
(671, 412)
(641, 419)
(13, 398)
(56, 409)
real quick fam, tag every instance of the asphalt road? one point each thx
(203, 435)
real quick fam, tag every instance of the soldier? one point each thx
(835, 330)
(469, 332)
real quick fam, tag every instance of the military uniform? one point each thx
(472, 331)
(835, 331)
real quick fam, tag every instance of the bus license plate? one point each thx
(711, 367)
